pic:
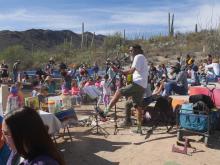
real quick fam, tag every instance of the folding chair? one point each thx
(67, 118)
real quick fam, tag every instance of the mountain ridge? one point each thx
(45, 39)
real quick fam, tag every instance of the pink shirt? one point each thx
(98, 84)
(75, 90)
(88, 83)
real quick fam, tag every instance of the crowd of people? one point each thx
(143, 79)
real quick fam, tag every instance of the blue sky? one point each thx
(147, 17)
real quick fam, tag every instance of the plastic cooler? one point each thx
(57, 102)
(216, 97)
(191, 121)
(196, 123)
(196, 90)
(51, 106)
(176, 102)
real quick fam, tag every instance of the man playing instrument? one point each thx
(136, 89)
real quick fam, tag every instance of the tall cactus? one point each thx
(82, 36)
(171, 25)
(196, 28)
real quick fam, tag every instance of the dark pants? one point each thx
(128, 106)
(173, 87)
(15, 76)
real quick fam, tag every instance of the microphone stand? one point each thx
(115, 115)
(98, 129)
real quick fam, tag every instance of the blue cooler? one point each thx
(191, 121)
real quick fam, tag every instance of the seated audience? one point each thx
(66, 99)
(209, 59)
(213, 71)
(50, 84)
(159, 88)
(178, 86)
(76, 93)
(43, 98)
(193, 79)
(67, 80)
(89, 82)
(172, 73)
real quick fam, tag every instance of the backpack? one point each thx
(200, 107)
(201, 97)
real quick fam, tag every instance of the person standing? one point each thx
(106, 90)
(4, 71)
(135, 90)
(15, 71)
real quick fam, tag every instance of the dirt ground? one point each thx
(127, 148)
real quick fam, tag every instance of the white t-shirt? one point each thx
(106, 87)
(215, 67)
(140, 75)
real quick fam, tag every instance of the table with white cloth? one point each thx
(51, 121)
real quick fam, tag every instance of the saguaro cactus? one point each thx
(82, 40)
(171, 25)
(196, 28)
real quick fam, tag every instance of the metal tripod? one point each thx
(115, 121)
(97, 128)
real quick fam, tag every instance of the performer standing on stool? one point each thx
(136, 89)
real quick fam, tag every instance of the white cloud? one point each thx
(140, 18)
(206, 16)
(40, 19)
(18, 14)
(109, 20)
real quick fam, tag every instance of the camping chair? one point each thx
(67, 118)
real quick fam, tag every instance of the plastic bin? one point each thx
(51, 106)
